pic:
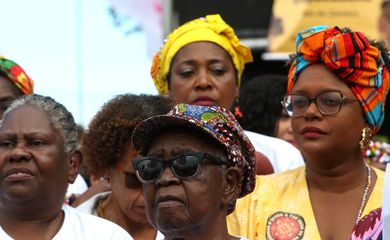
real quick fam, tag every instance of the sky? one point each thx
(75, 53)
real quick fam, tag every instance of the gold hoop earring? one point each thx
(366, 137)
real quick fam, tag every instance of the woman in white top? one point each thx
(108, 153)
(38, 158)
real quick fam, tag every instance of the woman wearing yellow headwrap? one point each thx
(211, 29)
(201, 63)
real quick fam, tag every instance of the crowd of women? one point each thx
(181, 166)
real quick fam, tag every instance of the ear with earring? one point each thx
(237, 112)
(366, 138)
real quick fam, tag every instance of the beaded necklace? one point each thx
(365, 194)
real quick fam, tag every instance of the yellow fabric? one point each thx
(284, 192)
(213, 29)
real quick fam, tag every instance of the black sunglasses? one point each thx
(131, 180)
(186, 165)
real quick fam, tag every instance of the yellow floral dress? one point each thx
(280, 208)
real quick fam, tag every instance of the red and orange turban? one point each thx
(353, 59)
(16, 75)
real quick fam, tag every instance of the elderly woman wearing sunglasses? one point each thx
(197, 162)
(108, 152)
(337, 86)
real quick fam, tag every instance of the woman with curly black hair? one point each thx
(108, 153)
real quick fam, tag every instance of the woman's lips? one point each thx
(18, 174)
(139, 209)
(168, 201)
(312, 132)
(203, 101)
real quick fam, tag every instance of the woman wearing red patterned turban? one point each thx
(14, 82)
(337, 86)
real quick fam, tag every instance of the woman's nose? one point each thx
(203, 80)
(19, 153)
(312, 111)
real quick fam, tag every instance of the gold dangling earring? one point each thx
(366, 138)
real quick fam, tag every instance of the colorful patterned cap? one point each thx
(14, 73)
(211, 28)
(217, 122)
(353, 59)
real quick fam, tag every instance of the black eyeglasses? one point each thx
(186, 165)
(131, 180)
(327, 103)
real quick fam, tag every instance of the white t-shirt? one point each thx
(81, 226)
(88, 205)
(160, 236)
(78, 187)
(282, 155)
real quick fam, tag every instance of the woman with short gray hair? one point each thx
(38, 158)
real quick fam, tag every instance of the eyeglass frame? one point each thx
(314, 100)
(168, 162)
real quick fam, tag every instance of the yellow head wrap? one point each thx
(213, 29)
